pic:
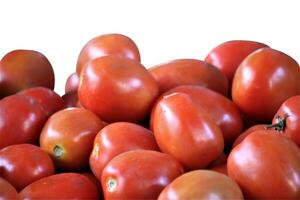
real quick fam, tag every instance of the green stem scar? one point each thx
(58, 151)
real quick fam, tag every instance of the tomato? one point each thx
(108, 44)
(117, 89)
(184, 130)
(61, 186)
(23, 164)
(139, 174)
(95, 181)
(222, 159)
(266, 166)
(228, 55)
(189, 72)
(117, 138)
(263, 81)
(21, 69)
(202, 184)
(220, 168)
(71, 100)
(7, 191)
(248, 131)
(222, 110)
(72, 83)
(21, 120)
(68, 137)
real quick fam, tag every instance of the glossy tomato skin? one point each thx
(61, 186)
(22, 164)
(108, 44)
(139, 174)
(185, 131)
(72, 83)
(229, 55)
(222, 110)
(266, 166)
(117, 89)
(247, 132)
(263, 81)
(189, 72)
(117, 138)
(21, 69)
(7, 191)
(202, 184)
(21, 119)
(68, 137)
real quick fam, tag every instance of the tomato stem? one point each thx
(279, 125)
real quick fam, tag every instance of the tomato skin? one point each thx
(33, 69)
(263, 81)
(61, 186)
(178, 122)
(23, 164)
(21, 119)
(71, 100)
(72, 83)
(189, 72)
(229, 55)
(68, 137)
(201, 184)
(117, 138)
(7, 191)
(247, 132)
(220, 168)
(139, 174)
(266, 166)
(108, 44)
(119, 83)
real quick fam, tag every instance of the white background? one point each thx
(163, 30)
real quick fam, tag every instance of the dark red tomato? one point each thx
(287, 119)
(95, 181)
(49, 100)
(71, 100)
(72, 83)
(247, 132)
(222, 110)
(61, 186)
(220, 168)
(263, 81)
(7, 191)
(222, 159)
(229, 55)
(139, 174)
(109, 44)
(117, 138)
(266, 166)
(22, 164)
(21, 69)
(184, 130)
(21, 120)
(189, 72)
(202, 184)
(68, 137)
(117, 89)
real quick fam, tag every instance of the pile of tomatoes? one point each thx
(227, 127)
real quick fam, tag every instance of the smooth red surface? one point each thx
(7, 191)
(247, 132)
(72, 83)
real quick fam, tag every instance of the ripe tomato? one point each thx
(71, 100)
(117, 138)
(139, 174)
(21, 69)
(23, 164)
(247, 132)
(117, 89)
(21, 120)
(263, 81)
(7, 191)
(61, 186)
(202, 184)
(222, 159)
(228, 55)
(220, 168)
(68, 137)
(72, 83)
(266, 166)
(184, 130)
(189, 72)
(109, 44)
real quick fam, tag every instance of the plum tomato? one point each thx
(71, 100)
(7, 191)
(242, 136)
(72, 83)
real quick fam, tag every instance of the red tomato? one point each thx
(220, 168)
(139, 174)
(263, 81)
(7, 191)
(117, 89)
(72, 83)
(23, 164)
(189, 72)
(95, 181)
(222, 159)
(117, 138)
(228, 55)
(247, 132)
(184, 130)
(109, 44)
(21, 120)
(21, 69)
(202, 184)
(71, 100)
(68, 137)
(266, 166)
(61, 186)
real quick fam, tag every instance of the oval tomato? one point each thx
(7, 191)
(247, 132)
(72, 83)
